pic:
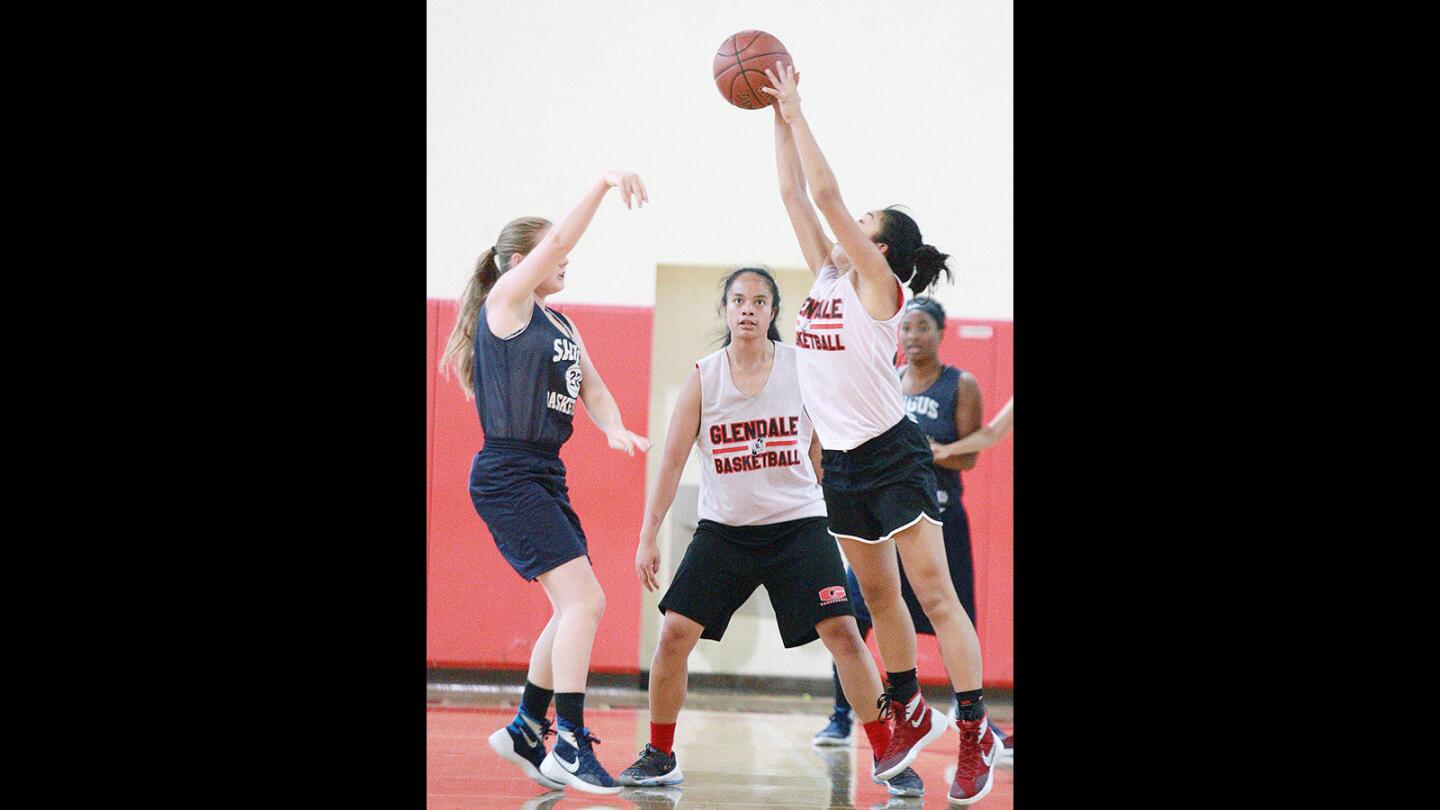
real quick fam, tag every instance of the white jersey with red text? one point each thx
(847, 363)
(754, 451)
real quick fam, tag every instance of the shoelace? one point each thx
(970, 763)
(883, 704)
(584, 739)
(546, 729)
(887, 704)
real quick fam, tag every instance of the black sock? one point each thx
(570, 708)
(903, 685)
(972, 704)
(841, 704)
(536, 700)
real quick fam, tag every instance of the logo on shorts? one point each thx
(832, 594)
(572, 379)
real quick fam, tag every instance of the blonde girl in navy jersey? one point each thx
(879, 482)
(762, 522)
(526, 366)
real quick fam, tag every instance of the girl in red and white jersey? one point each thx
(762, 522)
(878, 479)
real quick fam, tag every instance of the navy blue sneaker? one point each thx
(523, 743)
(654, 767)
(841, 730)
(907, 783)
(572, 761)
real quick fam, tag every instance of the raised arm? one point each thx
(601, 405)
(507, 306)
(813, 242)
(875, 286)
(998, 428)
(684, 428)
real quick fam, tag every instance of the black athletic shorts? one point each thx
(797, 561)
(881, 487)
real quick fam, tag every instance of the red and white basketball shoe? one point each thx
(914, 726)
(980, 749)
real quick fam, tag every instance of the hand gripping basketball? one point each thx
(785, 89)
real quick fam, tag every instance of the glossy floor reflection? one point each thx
(730, 759)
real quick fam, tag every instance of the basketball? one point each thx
(740, 66)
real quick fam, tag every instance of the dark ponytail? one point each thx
(518, 236)
(929, 262)
(915, 263)
(771, 333)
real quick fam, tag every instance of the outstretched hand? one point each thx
(625, 440)
(629, 184)
(785, 88)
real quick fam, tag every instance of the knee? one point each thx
(840, 635)
(590, 606)
(936, 600)
(676, 642)
(883, 597)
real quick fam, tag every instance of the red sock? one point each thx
(879, 733)
(662, 736)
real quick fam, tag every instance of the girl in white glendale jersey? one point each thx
(878, 481)
(762, 522)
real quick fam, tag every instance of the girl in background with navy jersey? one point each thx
(526, 366)
(944, 402)
(879, 481)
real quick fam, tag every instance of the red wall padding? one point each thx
(481, 614)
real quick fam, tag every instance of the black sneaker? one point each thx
(654, 767)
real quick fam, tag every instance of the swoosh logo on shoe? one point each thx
(990, 757)
(572, 767)
(525, 732)
(911, 707)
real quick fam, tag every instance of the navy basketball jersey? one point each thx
(526, 385)
(934, 411)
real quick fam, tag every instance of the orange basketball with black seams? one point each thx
(740, 66)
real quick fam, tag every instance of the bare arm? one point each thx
(815, 457)
(998, 428)
(813, 242)
(876, 284)
(968, 413)
(684, 428)
(508, 304)
(600, 404)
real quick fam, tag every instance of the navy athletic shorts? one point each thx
(518, 489)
